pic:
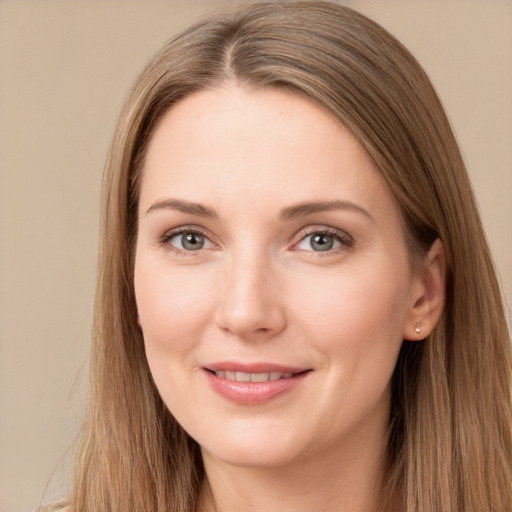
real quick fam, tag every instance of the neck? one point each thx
(346, 478)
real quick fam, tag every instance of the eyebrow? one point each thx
(291, 212)
(183, 207)
(303, 209)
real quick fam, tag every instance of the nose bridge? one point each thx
(250, 303)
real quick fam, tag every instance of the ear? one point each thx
(428, 295)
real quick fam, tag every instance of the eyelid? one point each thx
(346, 240)
(168, 235)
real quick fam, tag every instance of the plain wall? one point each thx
(65, 67)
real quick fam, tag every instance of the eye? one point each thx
(324, 241)
(187, 240)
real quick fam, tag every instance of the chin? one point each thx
(250, 458)
(252, 452)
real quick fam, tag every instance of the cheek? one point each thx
(366, 300)
(172, 303)
(355, 324)
(355, 317)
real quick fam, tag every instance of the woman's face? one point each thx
(272, 278)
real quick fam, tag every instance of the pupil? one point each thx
(322, 242)
(193, 241)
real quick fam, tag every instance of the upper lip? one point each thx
(232, 366)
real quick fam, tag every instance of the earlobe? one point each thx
(428, 295)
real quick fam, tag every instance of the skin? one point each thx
(259, 291)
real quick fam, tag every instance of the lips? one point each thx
(253, 384)
(252, 377)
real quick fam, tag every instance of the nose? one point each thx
(251, 304)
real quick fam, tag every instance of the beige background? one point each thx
(65, 67)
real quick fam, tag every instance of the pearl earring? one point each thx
(418, 328)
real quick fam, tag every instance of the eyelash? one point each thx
(166, 238)
(345, 240)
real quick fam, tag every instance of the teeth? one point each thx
(260, 377)
(252, 377)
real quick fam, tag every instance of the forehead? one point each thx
(268, 142)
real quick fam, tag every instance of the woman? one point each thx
(296, 305)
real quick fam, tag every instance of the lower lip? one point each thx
(253, 393)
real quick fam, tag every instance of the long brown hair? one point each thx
(450, 443)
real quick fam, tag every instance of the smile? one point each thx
(252, 377)
(253, 384)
